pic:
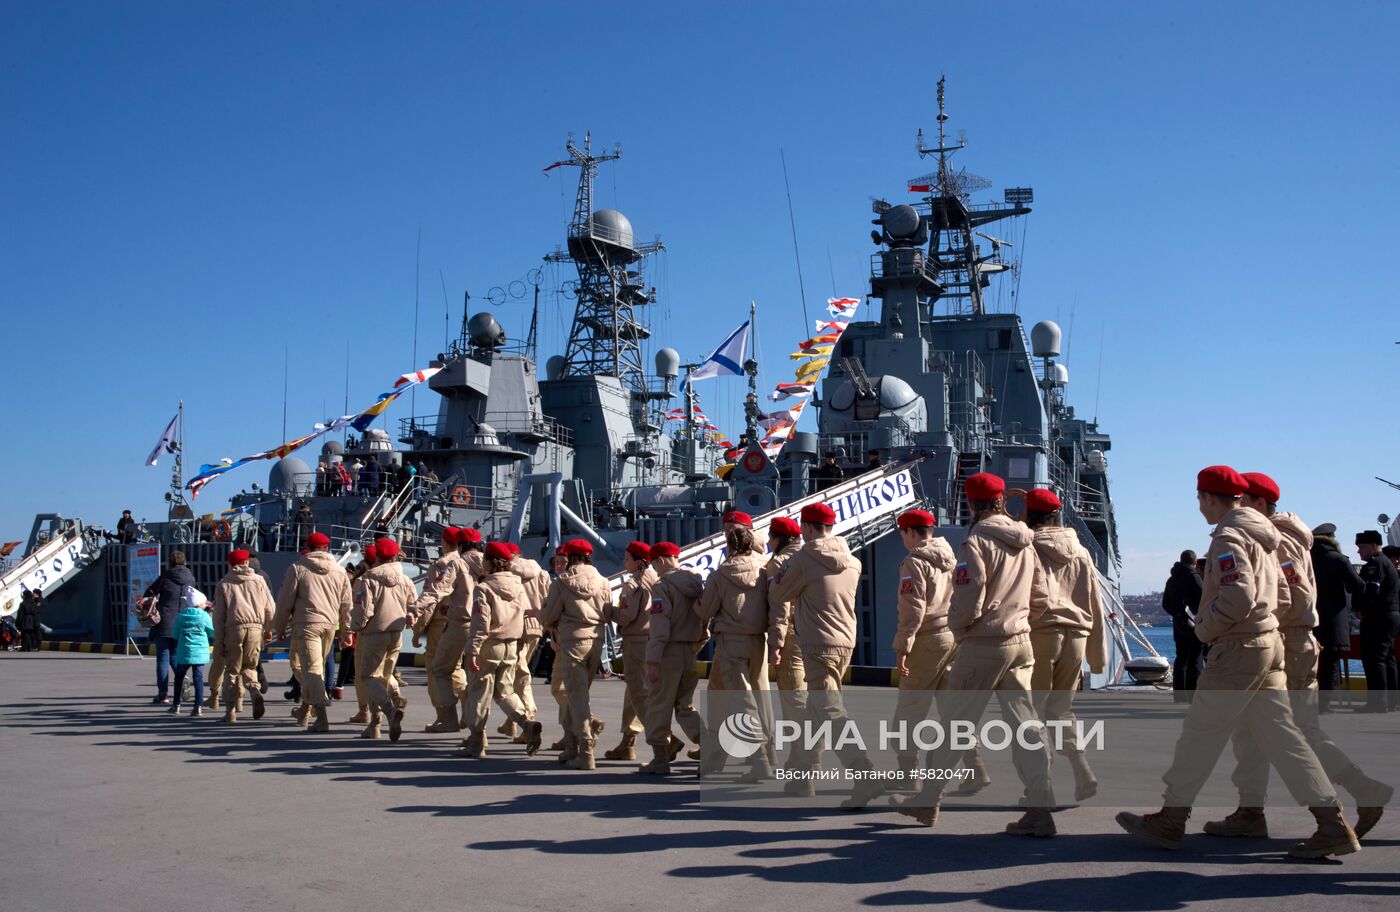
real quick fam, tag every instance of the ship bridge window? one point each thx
(999, 339)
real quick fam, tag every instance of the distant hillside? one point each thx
(1146, 608)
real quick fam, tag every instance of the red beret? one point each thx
(318, 540)
(1261, 485)
(514, 548)
(451, 535)
(470, 536)
(498, 551)
(576, 546)
(664, 549)
(1221, 479)
(1042, 500)
(984, 486)
(916, 519)
(238, 557)
(784, 525)
(386, 548)
(740, 517)
(371, 553)
(819, 514)
(640, 550)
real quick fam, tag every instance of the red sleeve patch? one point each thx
(1229, 579)
(906, 586)
(656, 606)
(961, 577)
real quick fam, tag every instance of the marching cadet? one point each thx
(735, 600)
(1067, 626)
(497, 624)
(315, 601)
(923, 644)
(785, 540)
(243, 609)
(1244, 683)
(1297, 616)
(378, 622)
(738, 519)
(357, 591)
(450, 595)
(631, 615)
(995, 580)
(675, 634)
(820, 583)
(574, 610)
(536, 583)
(430, 624)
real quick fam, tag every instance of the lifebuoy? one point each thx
(461, 496)
(222, 531)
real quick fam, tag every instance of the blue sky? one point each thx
(188, 190)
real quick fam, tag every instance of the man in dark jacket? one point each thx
(1181, 598)
(1337, 586)
(167, 589)
(28, 620)
(126, 528)
(1380, 622)
(303, 524)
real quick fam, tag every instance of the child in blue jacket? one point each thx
(194, 635)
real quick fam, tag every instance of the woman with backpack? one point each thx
(167, 591)
(194, 635)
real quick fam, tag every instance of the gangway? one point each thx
(50, 563)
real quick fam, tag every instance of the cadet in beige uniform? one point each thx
(378, 622)
(357, 593)
(1297, 616)
(735, 602)
(1244, 683)
(675, 634)
(243, 609)
(820, 583)
(631, 615)
(449, 595)
(1067, 627)
(574, 609)
(785, 540)
(923, 644)
(536, 582)
(497, 624)
(429, 622)
(995, 580)
(315, 600)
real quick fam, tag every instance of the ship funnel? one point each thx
(554, 367)
(1059, 375)
(668, 363)
(1045, 339)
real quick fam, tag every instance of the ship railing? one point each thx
(1076, 522)
(902, 262)
(525, 425)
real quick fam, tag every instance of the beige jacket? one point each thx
(1070, 597)
(1240, 591)
(1297, 587)
(736, 597)
(575, 604)
(450, 593)
(421, 618)
(498, 610)
(781, 612)
(242, 599)
(315, 594)
(632, 614)
(387, 595)
(535, 582)
(925, 591)
(820, 583)
(673, 617)
(993, 581)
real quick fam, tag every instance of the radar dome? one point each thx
(895, 394)
(1059, 375)
(289, 475)
(668, 363)
(612, 227)
(377, 439)
(1045, 339)
(902, 221)
(332, 448)
(554, 367)
(485, 331)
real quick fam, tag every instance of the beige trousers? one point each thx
(634, 697)
(241, 663)
(446, 676)
(525, 651)
(674, 693)
(739, 679)
(929, 660)
(1059, 664)
(495, 678)
(310, 647)
(574, 668)
(1244, 686)
(381, 654)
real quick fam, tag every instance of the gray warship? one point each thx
(931, 382)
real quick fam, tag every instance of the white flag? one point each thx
(166, 443)
(727, 360)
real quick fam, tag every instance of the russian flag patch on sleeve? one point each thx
(1227, 562)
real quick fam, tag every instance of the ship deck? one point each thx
(111, 803)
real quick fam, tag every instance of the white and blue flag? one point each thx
(727, 360)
